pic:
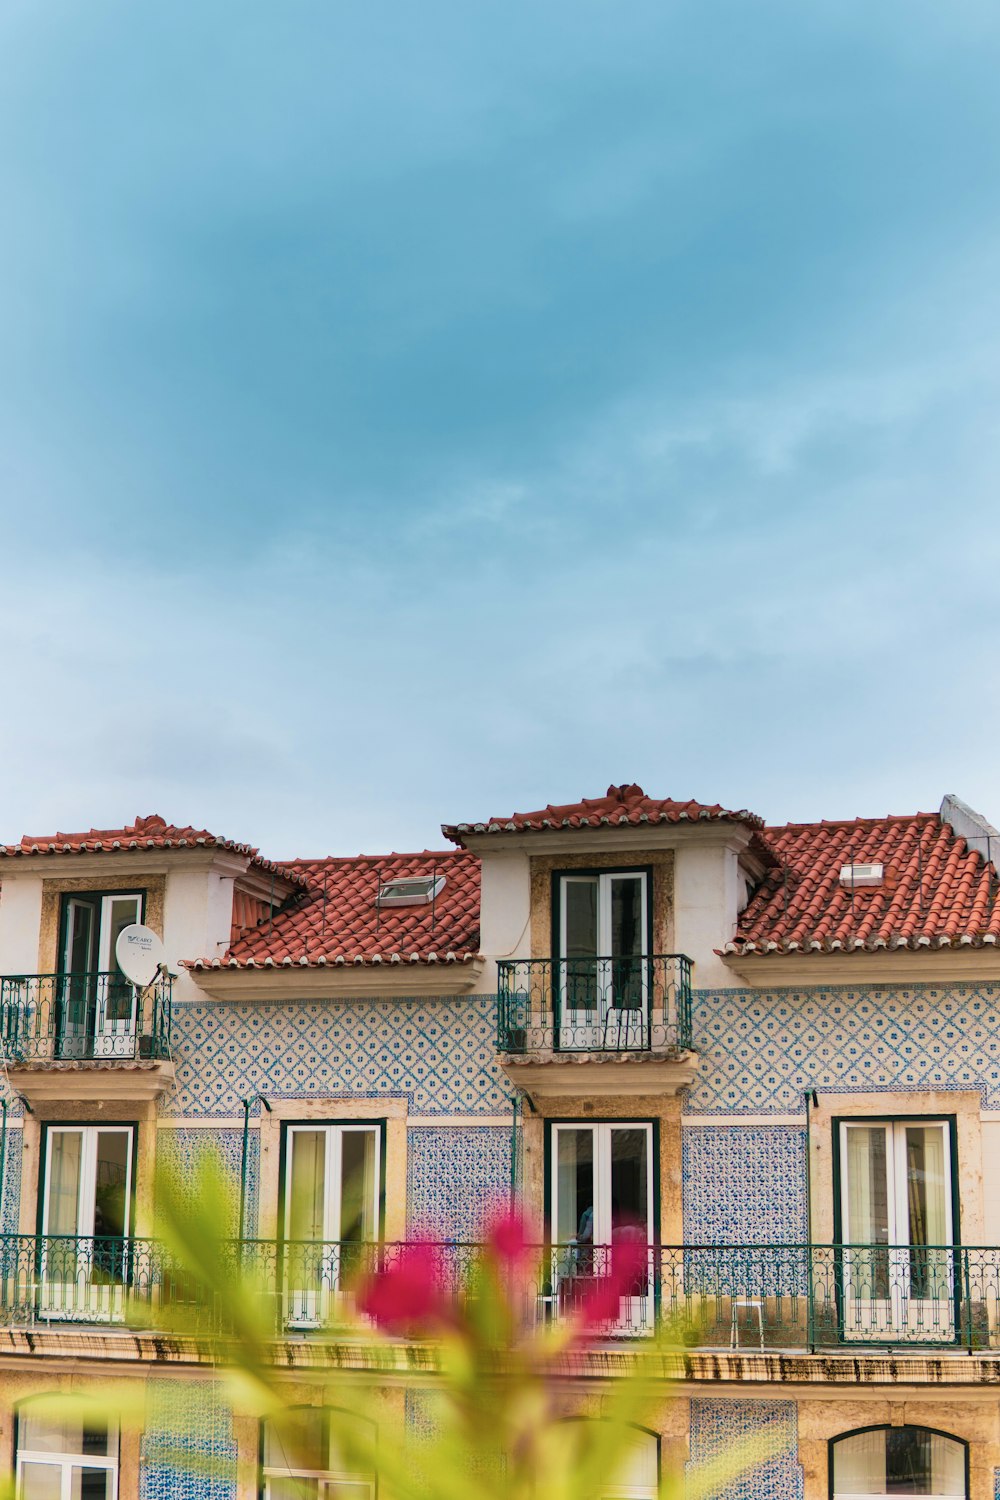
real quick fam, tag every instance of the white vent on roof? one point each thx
(855, 875)
(410, 890)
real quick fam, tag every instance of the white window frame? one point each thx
(363, 1485)
(310, 1305)
(900, 1314)
(83, 1299)
(588, 1028)
(65, 1463)
(637, 1311)
(837, 1494)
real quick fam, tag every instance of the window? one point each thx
(638, 1474)
(96, 1005)
(86, 1201)
(897, 1227)
(66, 1450)
(602, 985)
(302, 1462)
(413, 890)
(601, 1194)
(908, 1462)
(332, 1192)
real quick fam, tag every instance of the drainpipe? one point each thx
(244, 1162)
(809, 1099)
(515, 1117)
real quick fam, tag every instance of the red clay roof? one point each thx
(149, 832)
(336, 922)
(936, 892)
(621, 806)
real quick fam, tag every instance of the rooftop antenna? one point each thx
(434, 881)
(270, 906)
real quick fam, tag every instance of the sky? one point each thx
(410, 414)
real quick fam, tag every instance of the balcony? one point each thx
(95, 1025)
(627, 1020)
(780, 1299)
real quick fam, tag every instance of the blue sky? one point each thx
(414, 413)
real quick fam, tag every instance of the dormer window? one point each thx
(410, 890)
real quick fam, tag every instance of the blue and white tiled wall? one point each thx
(743, 1185)
(765, 1427)
(760, 1052)
(182, 1150)
(188, 1451)
(438, 1052)
(457, 1178)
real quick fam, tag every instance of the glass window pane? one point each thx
(301, 1442)
(575, 1186)
(306, 1209)
(286, 1487)
(629, 1178)
(80, 917)
(65, 1156)
(66, 1429)
(898, 1461)
(41, 1481)
(859, 1464)
(867, 1185)
(91, 1484)
(121, 912)
(581, 944)
(926, 1186)
(111, 1187)
(580, 897)
(626, 916)
(358, 1189)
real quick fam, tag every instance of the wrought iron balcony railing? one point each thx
(779, 1297)
(83, 1018)
(640, 1004)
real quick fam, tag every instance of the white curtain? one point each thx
(859, 1464)
(947, 1466)
(928, 1210)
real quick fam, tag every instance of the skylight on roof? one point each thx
(410, 890)
(861, 875)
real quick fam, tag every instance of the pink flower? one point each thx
(628, 1276)
(507, 1239)
(406, 1295)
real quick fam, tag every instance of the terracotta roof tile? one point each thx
(621, 806)
(149, 832)
(936, 891)
(337, 921)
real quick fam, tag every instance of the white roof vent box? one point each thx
(410, 890)
(855, 876)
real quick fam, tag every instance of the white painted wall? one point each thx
(20, 919)
(706, 894)
(197, 916)
(505, 912)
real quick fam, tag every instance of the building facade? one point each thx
(771, 1053)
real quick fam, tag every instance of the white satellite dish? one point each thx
(140, 954)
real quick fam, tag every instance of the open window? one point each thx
(602, 983)
(86, 1203)
(602, 1195)
(897, 1229)
(67, 1449)
(333, 1176)
(302, 1459)
(912, 1463)
(637, 1476)
(96, 1004)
